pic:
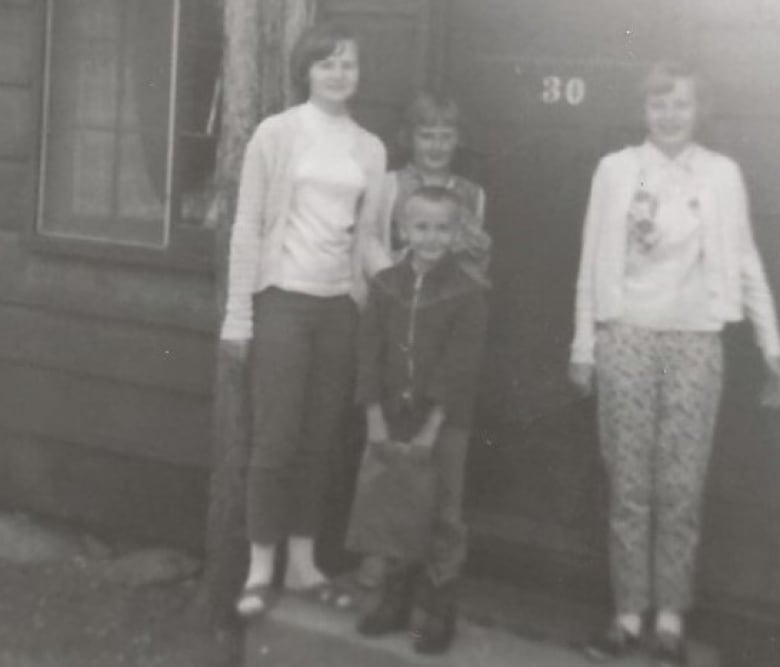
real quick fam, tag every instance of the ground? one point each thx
(67, 603)
(62, 615)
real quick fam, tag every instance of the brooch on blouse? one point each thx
(643, 230)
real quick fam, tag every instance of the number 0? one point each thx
(575, 91)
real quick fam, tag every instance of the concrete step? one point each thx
(299, 633)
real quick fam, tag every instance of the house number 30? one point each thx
(556, 89)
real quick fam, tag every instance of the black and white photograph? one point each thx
(389, 333)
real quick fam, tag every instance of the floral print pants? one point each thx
(658, 397)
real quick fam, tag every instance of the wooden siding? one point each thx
(106, 356)
(105, 366)
(18, 45)
(125, 496)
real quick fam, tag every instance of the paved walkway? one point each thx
(299, 634)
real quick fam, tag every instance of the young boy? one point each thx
(429, 136)
(420, 348)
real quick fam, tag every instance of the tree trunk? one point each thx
(258, 38)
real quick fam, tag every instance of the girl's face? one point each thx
(333, 80)
(671, 117)
(433, 146)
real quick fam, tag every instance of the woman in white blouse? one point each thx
(668, 259)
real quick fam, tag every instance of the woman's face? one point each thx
(671, 116)
(333, 80)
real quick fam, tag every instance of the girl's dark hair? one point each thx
(316, 43)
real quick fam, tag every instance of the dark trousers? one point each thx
(302, 375)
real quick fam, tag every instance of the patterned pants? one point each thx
(658, 396)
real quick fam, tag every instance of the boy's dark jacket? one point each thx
(421, 344)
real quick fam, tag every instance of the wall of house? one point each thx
(105, 366)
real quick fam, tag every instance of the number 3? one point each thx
(552, 89)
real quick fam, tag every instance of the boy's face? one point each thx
(433, 146)
(430, 230)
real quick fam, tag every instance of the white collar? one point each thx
(652, 156)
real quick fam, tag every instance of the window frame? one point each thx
(185, 247)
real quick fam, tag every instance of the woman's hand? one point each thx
(582, 376)
(376, 426)
(770, 394)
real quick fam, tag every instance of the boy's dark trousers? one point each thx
(447, 551)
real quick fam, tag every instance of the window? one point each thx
(129, 98)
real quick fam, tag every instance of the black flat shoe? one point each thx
(437, 632)
(669, 650)
(438, 607)
(613, 644)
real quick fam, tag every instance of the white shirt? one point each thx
(327, 184)
(664, 284)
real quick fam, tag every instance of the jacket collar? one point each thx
(444, 281)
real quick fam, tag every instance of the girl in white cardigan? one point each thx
(308, 202)
(668, 259)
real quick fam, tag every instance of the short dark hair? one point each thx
(316, 43)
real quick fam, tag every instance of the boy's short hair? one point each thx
(316, 43)
(436, 194)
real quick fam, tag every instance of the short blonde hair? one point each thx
(428, 109)
(660, 77)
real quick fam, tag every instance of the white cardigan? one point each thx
(263, 207)
(735, 276)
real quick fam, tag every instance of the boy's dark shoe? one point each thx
(394, 608)
(615, 643)
(436, 632)
(669, 650)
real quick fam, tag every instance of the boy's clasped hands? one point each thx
(419, 447)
